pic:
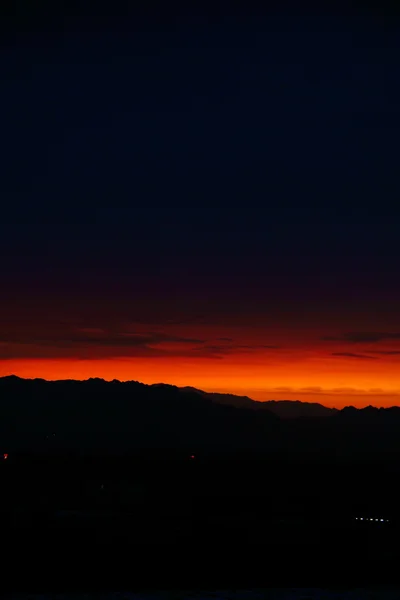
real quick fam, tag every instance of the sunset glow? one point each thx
(264, 365)
(206, 210)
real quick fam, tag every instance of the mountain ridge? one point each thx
(312, 408)
(113, 417)
(282, 408)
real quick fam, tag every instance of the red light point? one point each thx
(5, 456)
(192, 456)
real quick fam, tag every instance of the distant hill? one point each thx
(294, 409)
(285, 409)
(228, 399)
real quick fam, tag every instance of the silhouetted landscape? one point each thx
(96, 416)
(199, 300)
(187, 483)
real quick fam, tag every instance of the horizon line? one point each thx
(296, 400)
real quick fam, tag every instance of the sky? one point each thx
(204, 199)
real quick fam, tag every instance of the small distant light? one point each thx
(361, 518)
(376, 519)
(356, 518)
(382, 520)
(5, 456)
(192, 456)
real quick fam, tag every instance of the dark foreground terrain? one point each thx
(177, 522)
(91, 499)
(308, 593)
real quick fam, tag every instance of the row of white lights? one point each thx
(381, 520)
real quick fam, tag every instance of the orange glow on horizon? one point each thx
(310, 378)
(263, 362)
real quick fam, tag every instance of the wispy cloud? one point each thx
(91, 342)
(91, 330)
(163, 320)
(354, 355)
(339, 391)
(258, 347)
(362, 337)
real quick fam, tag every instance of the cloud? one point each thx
(293, 393)
(347, 390)
(353, 355)
(387, 352)
(93, 343)
(161, 320)
(119, 341)
(222, 350)
(187, 320)
(229, 348)
(77, 351)
(257, 346)
(362, 337)
(91, 330)
(207, 352)
(350, 391)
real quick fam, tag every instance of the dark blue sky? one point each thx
(244, 158)
(249, 119)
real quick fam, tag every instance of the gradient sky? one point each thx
(203, 199)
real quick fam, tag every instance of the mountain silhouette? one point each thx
(96, 416)
(294, 409)
(285, 409)
(228, 399)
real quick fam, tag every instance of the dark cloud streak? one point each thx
(353, 355)
(96, 342)
(361, 337)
